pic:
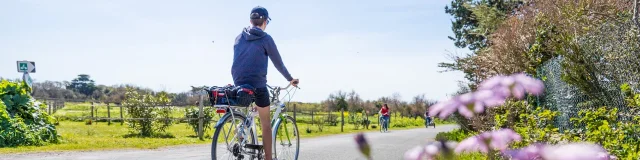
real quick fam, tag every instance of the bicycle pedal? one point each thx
(253, 146)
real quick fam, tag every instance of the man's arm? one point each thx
(274, 55)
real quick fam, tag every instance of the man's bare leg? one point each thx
(265, 121)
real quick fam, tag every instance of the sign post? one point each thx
(26, 67)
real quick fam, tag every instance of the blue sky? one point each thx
(374, 47)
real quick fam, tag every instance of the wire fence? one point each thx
(568, 99)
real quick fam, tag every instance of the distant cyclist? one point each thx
(384, 112)
(427, 118)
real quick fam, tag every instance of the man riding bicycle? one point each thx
(251, 51)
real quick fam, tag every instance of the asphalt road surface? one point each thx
(385, 146)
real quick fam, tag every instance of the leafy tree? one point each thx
(473, 22)
(336, 101)
(83, 84)
(467, 20)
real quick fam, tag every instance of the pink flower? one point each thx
(467, 104)
(495, 140)
(531, 85)
(444, 109)
(416, 153)
(531, 152)
(472, 144)
(515, 85)
(428, 151)
(575, 151)
(491, 93)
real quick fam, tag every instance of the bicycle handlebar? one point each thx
(206, 88)
(280, 88)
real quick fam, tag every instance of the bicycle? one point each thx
(245, 143)
(384, 125)
(429, 122)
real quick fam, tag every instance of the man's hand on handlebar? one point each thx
(294, 82)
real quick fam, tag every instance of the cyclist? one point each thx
(384, 112)
(427, 118)
(251, 51)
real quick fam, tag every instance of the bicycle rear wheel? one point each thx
(226, 144)
(287, 141)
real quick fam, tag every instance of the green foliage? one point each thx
(541, 51)
(468, 19)
(150, 112)
(532, 125)
(405, 122)
(537, 126)
(455, 135)
(488, 17)
(601, 126)
(23, 121)
(193, 112)
(465, 156)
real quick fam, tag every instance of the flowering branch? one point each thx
(493, 93)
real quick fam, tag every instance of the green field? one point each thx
(82, 111)
(76, 135)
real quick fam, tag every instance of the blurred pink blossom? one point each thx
(494, 140)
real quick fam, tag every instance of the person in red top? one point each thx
(384, 111)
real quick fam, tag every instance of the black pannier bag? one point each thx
(242, 95)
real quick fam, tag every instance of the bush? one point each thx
(23, 120)
(601, 126)
(455, 135)
(192, 112)
(148, 116)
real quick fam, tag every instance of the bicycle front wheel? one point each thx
(287, 139)
(380, 125)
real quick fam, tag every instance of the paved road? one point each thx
(387, 146)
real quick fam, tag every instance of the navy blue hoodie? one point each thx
(251, 51)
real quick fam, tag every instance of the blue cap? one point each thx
(259, 12)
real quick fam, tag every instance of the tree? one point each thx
(466, 23)
(336, 101)
(83, 84)
(354, 101)
(52, 89)
(473, 22)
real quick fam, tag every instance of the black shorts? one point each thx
(262, 97)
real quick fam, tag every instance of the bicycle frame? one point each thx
(278, 116)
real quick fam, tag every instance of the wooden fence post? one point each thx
(342, 126)
(48, 107)
(312, 121)
(109, 114)
(294, 111)
(121, 117)
(200, 118)
(92, 111)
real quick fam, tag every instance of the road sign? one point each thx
(26, 66)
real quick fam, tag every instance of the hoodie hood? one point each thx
(253, 33)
